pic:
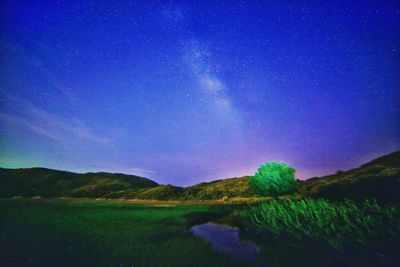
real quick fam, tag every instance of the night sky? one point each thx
(185, 92)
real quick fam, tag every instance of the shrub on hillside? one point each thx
(273, 179)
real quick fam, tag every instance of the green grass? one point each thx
(78, 233)
(367, 226)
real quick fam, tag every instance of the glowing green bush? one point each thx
(273, 179)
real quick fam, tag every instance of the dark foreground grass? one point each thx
(367, 227)
(73, 233)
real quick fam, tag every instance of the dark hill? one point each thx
(53, 183)
(49, 183)
(378, 179)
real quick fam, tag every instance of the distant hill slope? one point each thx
(378, 179)
(232, 187)
(49, 183)
(53, 183)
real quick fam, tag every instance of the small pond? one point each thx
(226, 239)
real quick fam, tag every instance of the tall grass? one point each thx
(367, 224)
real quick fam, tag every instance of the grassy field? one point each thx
(81, 233)
(75, 232)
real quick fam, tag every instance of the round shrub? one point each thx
(273, 179)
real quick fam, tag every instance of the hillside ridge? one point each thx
(379, 178)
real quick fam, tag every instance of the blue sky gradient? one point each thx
(184, 92)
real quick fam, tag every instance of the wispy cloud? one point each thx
(134, 171)
(50, 125)
(141, 170)
(35, 62)
(44, 123)
(20, 121)
(105, 167)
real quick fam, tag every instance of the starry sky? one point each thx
(185, 92)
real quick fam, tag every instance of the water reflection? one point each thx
(226, 239)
